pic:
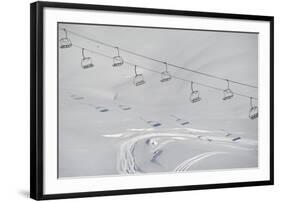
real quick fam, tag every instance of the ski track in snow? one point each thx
(184, 166)
(126, 159)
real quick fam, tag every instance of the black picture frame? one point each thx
(36, 98)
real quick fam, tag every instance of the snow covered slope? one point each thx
(108, 126)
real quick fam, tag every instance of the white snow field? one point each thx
(109, 126)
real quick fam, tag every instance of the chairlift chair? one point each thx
(227, 93)
(194, 96)
(138, 80)
(65, 42)
(165, 76)
(86, 62)
(117, 60)
(253, 112)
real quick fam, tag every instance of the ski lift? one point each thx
(86, 62)
(65, 42)
(117, 60)
(165, 76)
(227, 93)
(253, 113)
(194, 96)
(138, 80)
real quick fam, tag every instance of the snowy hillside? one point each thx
(109, 126)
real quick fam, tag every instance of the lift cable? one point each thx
(158, 72)
(157, 60)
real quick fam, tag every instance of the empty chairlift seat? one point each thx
(227, 93)
(194, 96)
(138, 79)
(65, 42)
(86, 62)
(253, 112)
(165, 76)
(117, 60)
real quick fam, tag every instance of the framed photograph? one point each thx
(131, 100)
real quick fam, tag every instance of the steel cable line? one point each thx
(160, 61)
(158, 72)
